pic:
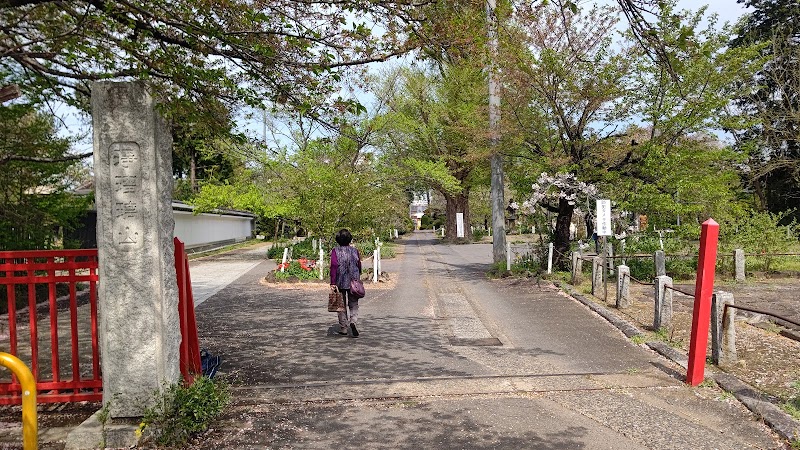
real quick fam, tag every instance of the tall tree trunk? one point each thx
(563, 220)
(458, 203)
(193, 171)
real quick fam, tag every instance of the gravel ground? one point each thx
(767, 360)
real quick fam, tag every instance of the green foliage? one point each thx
(759, 233)
(478, 234)
(179, 411)
(425, 222)
(196, 54)
(34, 194)
(681, 255)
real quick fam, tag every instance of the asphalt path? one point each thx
(448, 359)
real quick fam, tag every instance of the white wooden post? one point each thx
(321, 263)
(314, 244)
(379, 260)
(285, 257)
(550, 258)
(508, 256)
(375, 265)
(396, 233)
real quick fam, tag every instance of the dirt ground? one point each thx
(766, 359)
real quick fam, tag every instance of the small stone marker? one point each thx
(139, 326)
(577, 268)
(597, 275)
(738, 259)
(723, 329)
(660, 261)
(623, 286)
(662, 317)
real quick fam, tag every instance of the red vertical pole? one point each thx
(73, 324)
(701, 315)
(180, 272)
(195, 364)
(93, 305)
(54, 363)
(33, 324)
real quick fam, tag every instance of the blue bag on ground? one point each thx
(209, 363)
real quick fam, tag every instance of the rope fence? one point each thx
(767, 313)
(688, 294)
(638, 281)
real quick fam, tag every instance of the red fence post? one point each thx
(701, 314)
(190, 345)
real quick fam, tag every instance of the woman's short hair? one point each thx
(343, 237)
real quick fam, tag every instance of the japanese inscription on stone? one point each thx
(128, 225)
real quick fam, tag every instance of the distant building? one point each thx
(417, 209)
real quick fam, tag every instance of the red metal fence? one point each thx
(38, 274)
(31, 272)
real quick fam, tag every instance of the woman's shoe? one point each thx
(342, 331)
(353, 328)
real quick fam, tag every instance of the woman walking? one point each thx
(345, 267)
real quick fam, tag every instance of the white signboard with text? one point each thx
(604, 218)
(460, 225)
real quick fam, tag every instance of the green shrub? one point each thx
(180, 411)
(275, 252)
(760, 234)
(478, 234)
(425, 222)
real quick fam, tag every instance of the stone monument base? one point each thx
(92, 434)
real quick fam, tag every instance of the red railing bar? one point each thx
(45, 279)
(54, 386)
(53, 332)
(55, 398)
(73, 325)
(34, 330)
(12, 318)
(20, 254)
(95, 343)
(44, 265)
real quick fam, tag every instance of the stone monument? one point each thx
(138, 295)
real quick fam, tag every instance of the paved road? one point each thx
(449, 359)
(212, 273)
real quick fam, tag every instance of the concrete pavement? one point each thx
(446, 359)
(452, 360)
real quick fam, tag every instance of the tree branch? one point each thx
(8, 158)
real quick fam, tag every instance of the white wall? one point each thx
(206, 228)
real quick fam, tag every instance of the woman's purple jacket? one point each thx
(335, 265)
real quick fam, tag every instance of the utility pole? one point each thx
(497, 200)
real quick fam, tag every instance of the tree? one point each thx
(437, 134)
(674, 168)
(773, 140)
(568, 84)
(189, 50)
(321, 183)
(34, 195)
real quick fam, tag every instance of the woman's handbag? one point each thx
(335, 301)
(357, 289)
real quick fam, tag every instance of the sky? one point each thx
(76, 124)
